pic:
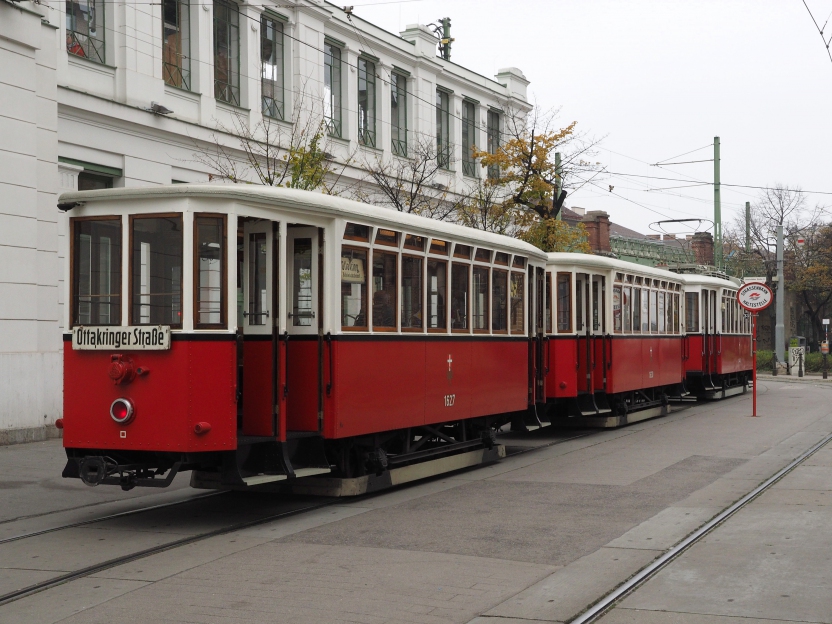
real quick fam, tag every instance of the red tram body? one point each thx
(256, 335)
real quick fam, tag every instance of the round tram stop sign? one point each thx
(755, 296)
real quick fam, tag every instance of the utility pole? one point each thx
(747, 227)
(445, 42)
(558, 184)
(717, 209)
(779, 326)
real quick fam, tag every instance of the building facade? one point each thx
(115, 93)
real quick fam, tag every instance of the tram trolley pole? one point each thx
(754, 297)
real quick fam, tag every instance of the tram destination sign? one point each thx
(754, 296)
(143, 338)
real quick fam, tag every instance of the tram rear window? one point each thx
(96, 272)
(156, 270)
(209, 240)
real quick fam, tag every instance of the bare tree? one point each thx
(273, 153)
(411, 184)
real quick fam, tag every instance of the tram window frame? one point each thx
(419, 245)
(549, 309)
(518, 262)
(394, 304)
(73, 274)
(636, 310)
(420, 328)
(356, 237)
(654, 323)
(457, 267)
(223, 219)
(363, 305)
(499, 299)
(428, 292)
(661, 312)
(567, 328)
(627, 309)
(442, 247)
(387, 237)
(675, 313)
(130, 274)
(617, 317)
(501, 258)
(517, 277)
(692, 323)
(486, 308)
(645, 310)
(580, 317)
(462, 251)
(478, 253)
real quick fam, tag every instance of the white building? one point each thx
(77, 83)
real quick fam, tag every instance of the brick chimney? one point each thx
(597, 224)
(702, 245)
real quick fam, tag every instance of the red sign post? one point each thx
(754, 297)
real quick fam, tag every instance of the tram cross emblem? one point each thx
(450, 372)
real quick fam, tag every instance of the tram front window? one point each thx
(353, 288)
(258, 290)
(209, 241)
(96, 266)
(156, 271)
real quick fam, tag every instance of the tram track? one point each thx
(611, 599)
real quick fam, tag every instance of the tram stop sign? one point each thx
(755, 296)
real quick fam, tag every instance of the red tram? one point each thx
(257, 334)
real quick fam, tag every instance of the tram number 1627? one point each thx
(449, 400)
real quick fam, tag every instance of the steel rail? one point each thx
(120, 514)
(607, 602)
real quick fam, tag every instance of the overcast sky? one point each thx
(658, 79)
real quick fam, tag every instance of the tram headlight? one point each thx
(122, 411)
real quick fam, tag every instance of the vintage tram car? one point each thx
(255, 334)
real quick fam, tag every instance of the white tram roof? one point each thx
(603, 263)
(692, 279)
(308, 202)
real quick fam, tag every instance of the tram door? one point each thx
(257, 308)
(541, 344)
(304, 344)
(709, 301)
(583, 318)
(599, 325)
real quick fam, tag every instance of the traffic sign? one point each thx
(754, 296)
(826, 321)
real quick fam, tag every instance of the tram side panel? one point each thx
(627, 370)
(193, 382)
(499, 376)
(562, 361)
(696, 354)
(734, 354)
(257, 396)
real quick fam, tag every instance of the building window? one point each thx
(271, 67)
(366, 102)
(493, 131)
(398, 110)
(93, 182)
(227, 52)
(176, 43)
(332, 88)
(469, 123)
(85, 29)
(443, 130)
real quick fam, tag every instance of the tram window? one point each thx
(654, 325)
(384, 289)
(209, 248)
(462, 251)
(499, 301)
(637, 310)
(660, 315)
(258, 289)
(619, 277)
(437, 292)
(411, 293)
(353, 288)
(675, 313)
(645, 311)
(156, 270)
(691, 312)
(96, 272)
(483, 255)
(480, 302)
(616, 309)
(439, 247)
(517, 299)
(596, 302)
(549, 309)
(519, 262)
(357, 232)
(387, 237)
(627, 309)
(579, 304)
(459, 296)
(501, 258)
(302, 313)
(564, 299)
(417, 243)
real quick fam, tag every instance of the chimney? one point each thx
(578, 211)
(654, 236)
(597, 224)
(422, 38)
(702, 245)
(514, 81)
(669, 237)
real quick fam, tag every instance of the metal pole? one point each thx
(717, 209)
(747, 227)
(754, 363)
(779, 326)
(558, 184)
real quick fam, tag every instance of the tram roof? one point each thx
(610, 264)
(308, 202)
